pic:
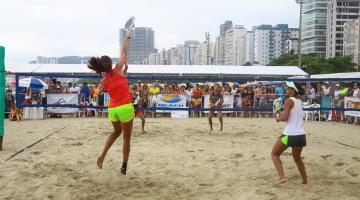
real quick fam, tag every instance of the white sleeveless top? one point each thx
(356, 93)
(295, 123)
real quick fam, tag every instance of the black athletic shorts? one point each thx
(293, 140)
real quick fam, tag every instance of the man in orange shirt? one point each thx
(198, 91)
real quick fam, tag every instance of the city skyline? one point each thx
(41, 28)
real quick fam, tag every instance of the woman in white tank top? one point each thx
(294, 133)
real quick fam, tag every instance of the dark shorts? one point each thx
(293, 140)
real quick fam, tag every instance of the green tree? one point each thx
(314, 64)
(247, 64)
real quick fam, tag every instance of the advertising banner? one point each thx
(228, 102)
(353, 103)
(62, 99)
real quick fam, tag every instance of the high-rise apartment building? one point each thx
(352, 40)
(220, 43)
(250, 46)
(190, 47)
(269, 41)
(235, 45)
(339, 12)
(313, 29)
(204, 54)
(291, 46)
(176, 55)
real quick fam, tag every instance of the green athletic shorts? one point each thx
(124, 113)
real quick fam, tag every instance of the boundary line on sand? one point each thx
(33, 144)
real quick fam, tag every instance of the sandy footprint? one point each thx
(339, 164)
(354, 172)
(356, 158)
(325, 157)
(36, 153)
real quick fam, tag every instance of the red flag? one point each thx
(333, 114)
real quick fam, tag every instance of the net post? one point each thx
(2, 93)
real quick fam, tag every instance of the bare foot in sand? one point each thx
(304, 182)
(100, 161)
(282, 180)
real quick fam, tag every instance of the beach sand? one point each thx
(176, 159)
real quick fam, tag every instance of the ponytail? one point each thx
(100, 65)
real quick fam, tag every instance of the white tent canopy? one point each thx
(337, 75)
(179, 70)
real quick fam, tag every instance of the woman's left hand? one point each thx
(277, 117)
(129, 35)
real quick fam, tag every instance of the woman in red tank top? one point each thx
(121, 110)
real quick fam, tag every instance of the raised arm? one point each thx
(123, 53)
(125, 68)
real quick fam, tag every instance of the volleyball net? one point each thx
(184, 96)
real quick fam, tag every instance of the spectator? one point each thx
(100, 99)
(52, 86)
(182, 89)
(96, 91)
(227, 89)
(207, 90)
(259, 94)
(167, 89)
(235, 89)
(144, 96)
(74, 89)
(15, 113)
(68, 87)
(44, 97)
(175, 89)
(279, 91)
(27, 100)
(197, 91)
(344, 91)
(337, 96)
(238, 97)
(139, 86)
(85, 93)
(156, 89)
(9, 98)
(356, 92)
(305, 96)
(312, 94)
(58, 88)
(188, 86)
(270, 95)
(196, 103)
(188, 93)
(326, 98)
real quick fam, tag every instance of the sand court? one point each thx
(176, 159)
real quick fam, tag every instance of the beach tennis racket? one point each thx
(130, 25)
(277, 106)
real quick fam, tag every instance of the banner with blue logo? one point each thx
(170, 101)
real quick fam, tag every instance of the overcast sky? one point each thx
(29, 28)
